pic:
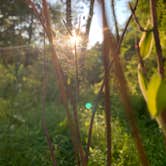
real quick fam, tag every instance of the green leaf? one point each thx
(146, 43)
(152, 93)
(161, 97)
(142, 84)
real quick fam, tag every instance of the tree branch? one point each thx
(126, 26)
(160, 61)
(68, 14)
(44, 125)
(115, 19)
(90, 15)
(115, 52)
(93, 115)
(136, 19)
(105, 52)
(139, 56)
(46, 23)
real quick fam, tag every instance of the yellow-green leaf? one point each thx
(152, 93)
(146, 43)
(161, 97)
(142, 84)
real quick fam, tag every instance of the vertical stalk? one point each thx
(75, 103)
(44, 125)
(161, 119)
(141, 62)
(115, 19)
(106, 51)
(115, 52)
(46, 23)
(68, 14)
(90, 15)
(156, 37)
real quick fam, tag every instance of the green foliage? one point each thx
(142, 83)
(146, 43)
(22, 140)
(153, 92)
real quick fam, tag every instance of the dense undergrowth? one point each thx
(22, 140)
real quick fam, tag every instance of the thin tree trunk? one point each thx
(46, 23)
(68, 14)
(115, 52)
(157, 38)
(115, 19)
(90, 15)
(106, 50)
(161, 119)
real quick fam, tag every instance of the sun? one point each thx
(74, 39)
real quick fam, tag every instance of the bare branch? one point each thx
(93, 115)
(136, 19)
(90, 15)
(156, 37)
(68, 14)
(105, 52)
(44, 94)
(115, 52)
(139, 56)
(36, 12)
(126, 26)
(115, 19)
(59, 72)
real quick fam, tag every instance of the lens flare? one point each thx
(74, 39)
(88, 105)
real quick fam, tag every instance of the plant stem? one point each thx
(106, 51)
(115, 19)
(157, 38)
(115, 52)
(161, 120)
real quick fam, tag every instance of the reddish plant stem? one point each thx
(44, 125)
(106, 51)
(75, 104)
(139, 56)
(92, 121)
(102, 86)
(136, 19)
(115, 19)
(115, 52)
(74, 99)
(126, 26)
(161, 119)
(68, 14)
(90, 15)
(157, 38)
(93, 115)
(46, 23)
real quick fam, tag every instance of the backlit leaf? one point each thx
(142, 84)
(161, 97)
(152, 92)
(146, 43)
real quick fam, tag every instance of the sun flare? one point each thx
(74, 39)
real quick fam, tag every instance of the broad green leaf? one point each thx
(161, 97)
(152, 93)
(146, 43)
(142, 84)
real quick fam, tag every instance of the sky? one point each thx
(122, 14)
